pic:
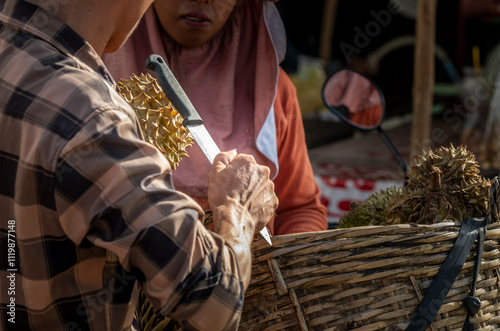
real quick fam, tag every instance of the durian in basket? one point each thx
(382, 275)
(444, 185)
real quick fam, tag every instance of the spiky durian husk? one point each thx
(457, 165)
(452, 203)
(160, 122)
(371, 211)
(162, 126)
(444, 185)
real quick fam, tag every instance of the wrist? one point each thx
(233, 222)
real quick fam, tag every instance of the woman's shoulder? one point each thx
(284, 82)
(286, 94)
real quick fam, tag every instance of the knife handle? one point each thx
(173, 90)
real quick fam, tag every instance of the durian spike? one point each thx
(160, 122)
(435, 185)
(443, 185)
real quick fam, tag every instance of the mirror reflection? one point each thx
(354, 98)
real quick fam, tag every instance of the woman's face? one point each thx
(192, 23)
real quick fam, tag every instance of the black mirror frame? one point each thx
(337, 113)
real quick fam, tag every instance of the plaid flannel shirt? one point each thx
(86, 207)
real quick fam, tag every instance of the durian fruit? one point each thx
(444, 185)
(160, 122)
(161, 126)
(371, 211)
(457, 166)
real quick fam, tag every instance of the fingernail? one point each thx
(233, 153)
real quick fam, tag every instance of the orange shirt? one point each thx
(299, 207)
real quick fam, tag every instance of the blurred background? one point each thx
(380, 38)
(387, 56)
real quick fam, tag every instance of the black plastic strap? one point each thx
(449, 271)
(472, 303)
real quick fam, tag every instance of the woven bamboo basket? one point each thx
(366, 278)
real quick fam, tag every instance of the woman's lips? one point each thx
(196, 19)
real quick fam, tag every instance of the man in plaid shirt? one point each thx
(87, 208)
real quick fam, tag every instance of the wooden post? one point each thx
(328, 25)
(423, 83)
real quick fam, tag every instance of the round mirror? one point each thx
(355, 99)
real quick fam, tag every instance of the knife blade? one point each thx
(192, 120)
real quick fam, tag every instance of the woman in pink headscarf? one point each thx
(226, 54)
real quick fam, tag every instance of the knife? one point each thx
(192, 120)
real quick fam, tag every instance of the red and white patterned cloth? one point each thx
(341, 184)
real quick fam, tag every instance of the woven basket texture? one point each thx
(366, 278)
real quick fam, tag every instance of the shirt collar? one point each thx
(44, 24)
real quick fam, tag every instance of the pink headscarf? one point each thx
(230, 80)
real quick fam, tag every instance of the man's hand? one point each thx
(242, 199)
(239, 179)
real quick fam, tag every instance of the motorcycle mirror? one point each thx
(355, 99)
(359, 102)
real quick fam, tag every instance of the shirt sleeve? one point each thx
(115, 191)
(300, 209)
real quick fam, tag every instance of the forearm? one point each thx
(233, 223)
(130, 208)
